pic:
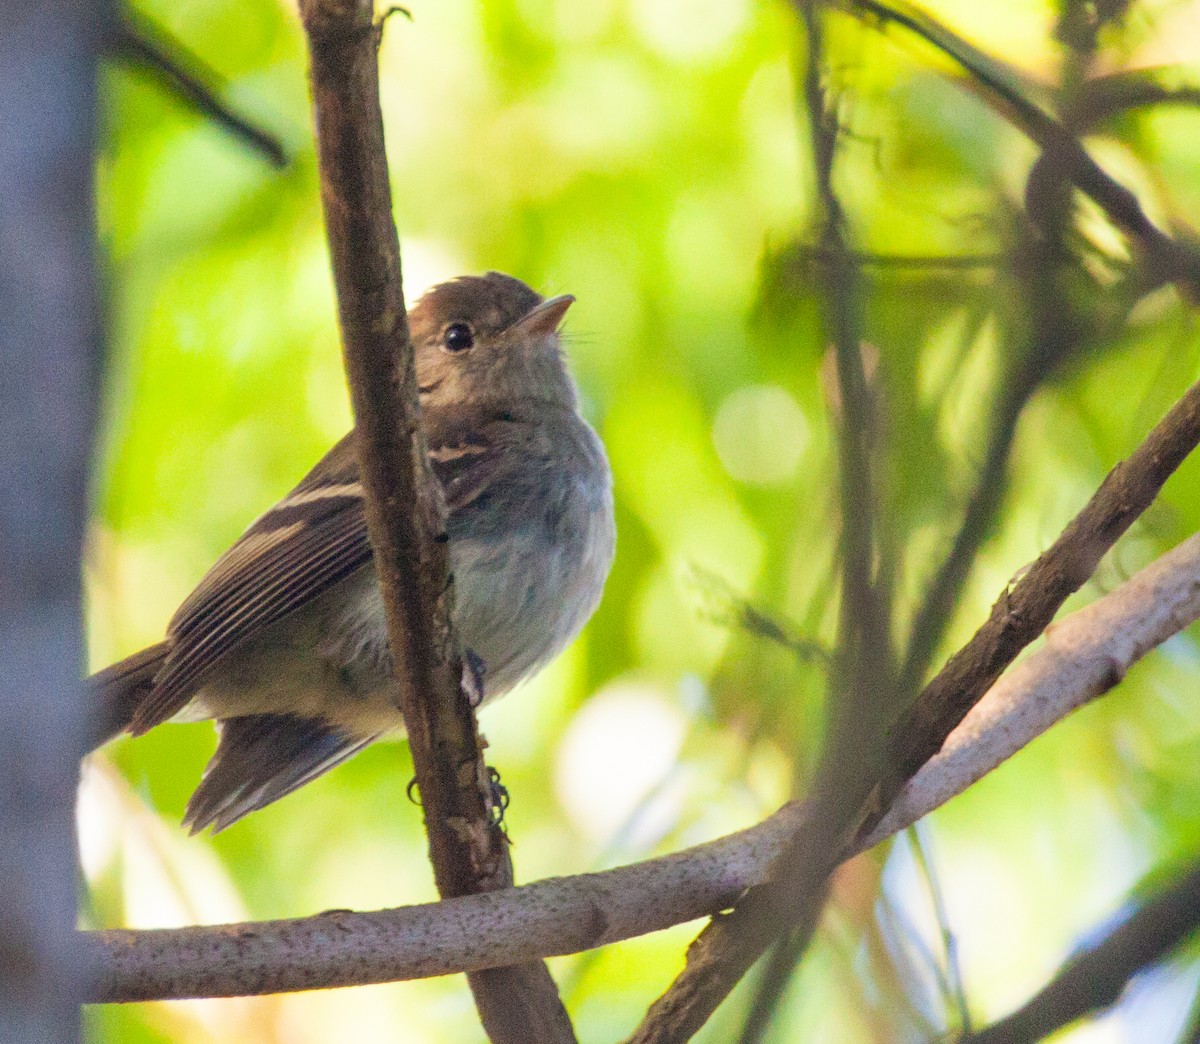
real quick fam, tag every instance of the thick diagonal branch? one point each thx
(1024, 611)
(405, 515)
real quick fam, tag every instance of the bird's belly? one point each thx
(520, 602)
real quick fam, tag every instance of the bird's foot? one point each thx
(498, 798)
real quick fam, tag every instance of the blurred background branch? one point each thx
(1095, 978)
(138, 42)
(1065, 310)
(50, 358)
(862, 694)
(1174, 259)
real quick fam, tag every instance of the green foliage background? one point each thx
(650, 158)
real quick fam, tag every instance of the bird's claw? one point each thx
(498, 798)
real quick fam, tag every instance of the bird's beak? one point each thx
(544, 318)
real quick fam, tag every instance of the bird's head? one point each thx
(489, 338)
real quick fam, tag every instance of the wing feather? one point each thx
(312, 539)
(261, 758)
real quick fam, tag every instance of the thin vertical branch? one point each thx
(49, 363)
(952, 983)
(864, 655)
(861, 682)
(403, 510)
(405, 515)
(860, 685)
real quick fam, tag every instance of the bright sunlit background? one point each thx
(650, 158)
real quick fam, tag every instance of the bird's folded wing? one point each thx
(473, 454)
(313, 538)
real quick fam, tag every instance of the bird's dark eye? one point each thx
(458, 337)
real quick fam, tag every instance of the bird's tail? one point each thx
(117, 691)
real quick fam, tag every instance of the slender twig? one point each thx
(724, 606)
(1048, 340)
(1179, 261)
(405, 515)
(138, 41)
(1085, 655)
(951, 978)
(1096, 978)
(905, 959)
(807, 255)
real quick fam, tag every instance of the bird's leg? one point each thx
(472, 677)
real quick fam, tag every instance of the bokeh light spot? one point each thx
(684, 31)
(616, 751)
(761, 434)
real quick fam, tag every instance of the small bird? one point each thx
(284, 641)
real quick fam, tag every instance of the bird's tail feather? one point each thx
(261, 758)
(117, 691)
